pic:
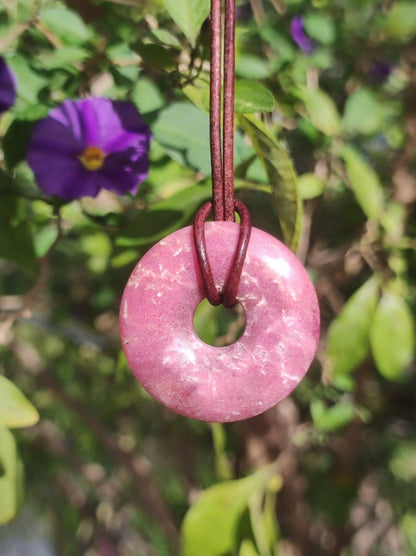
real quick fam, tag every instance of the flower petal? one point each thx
(7, 86)
(59, 132)
(124, 171)
(62, 175)
(299, 36)
(129, 130)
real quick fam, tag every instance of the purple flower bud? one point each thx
(299, 36)
(85, 145)
(7, 86)
(380, 70)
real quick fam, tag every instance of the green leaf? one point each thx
(320, 27)
(183, 130)
(310, 186)
(408, 530)
(249, 66)
(321, 110)
(15, 408)
(155, 56)
(11, 481)
(348, 334)
(16, 243)
(210, 527)
(251, 97)
(189, 15)
(247, 548)
(329, 419)
(282, 177)
(44, 238)
(392, 336)
(147, 96)
(29, 82)
(63, 57)
(163, 217)
(66, 24)
(400, 22)
(15, 142)
(364, 182)
(198, 92)
(363, 112)
(263, 520)
(18, 184)
(403, 461)
(164, 37)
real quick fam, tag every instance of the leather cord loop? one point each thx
(228, 296)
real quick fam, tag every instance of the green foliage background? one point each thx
(325, 160)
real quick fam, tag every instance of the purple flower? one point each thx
(85, 145)
(7, 86)
(299, 36)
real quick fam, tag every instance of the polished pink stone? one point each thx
(219, 383)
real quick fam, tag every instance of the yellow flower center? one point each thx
(92, 158)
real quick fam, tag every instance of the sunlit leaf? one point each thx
(348, 334)
(332, 418)
(400, 22)
(44, 238)
(263, 520)
(408, 530)
(188, 14)
(248, 548)
(249, 66)
(403, 461)
(282, 177)
(251, 97)
(183, 130)
(15, 408)
(363, 112)
(66, 24)
(310, 186)
(11, 479)
(393, 336)
(30, 83)
(64, 57)
(319, 26)
(364, 182)
(211, 525)
(198, 92)
(147, 96)
(321, 110)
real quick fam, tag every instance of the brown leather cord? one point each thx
(228, 296)
(215, 111)
(228, 130)
(223, 204)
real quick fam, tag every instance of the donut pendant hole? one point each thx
(219, 326)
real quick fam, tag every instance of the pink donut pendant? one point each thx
(219, 384)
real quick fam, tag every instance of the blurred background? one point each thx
(325, 160)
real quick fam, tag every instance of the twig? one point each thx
(12, 35)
